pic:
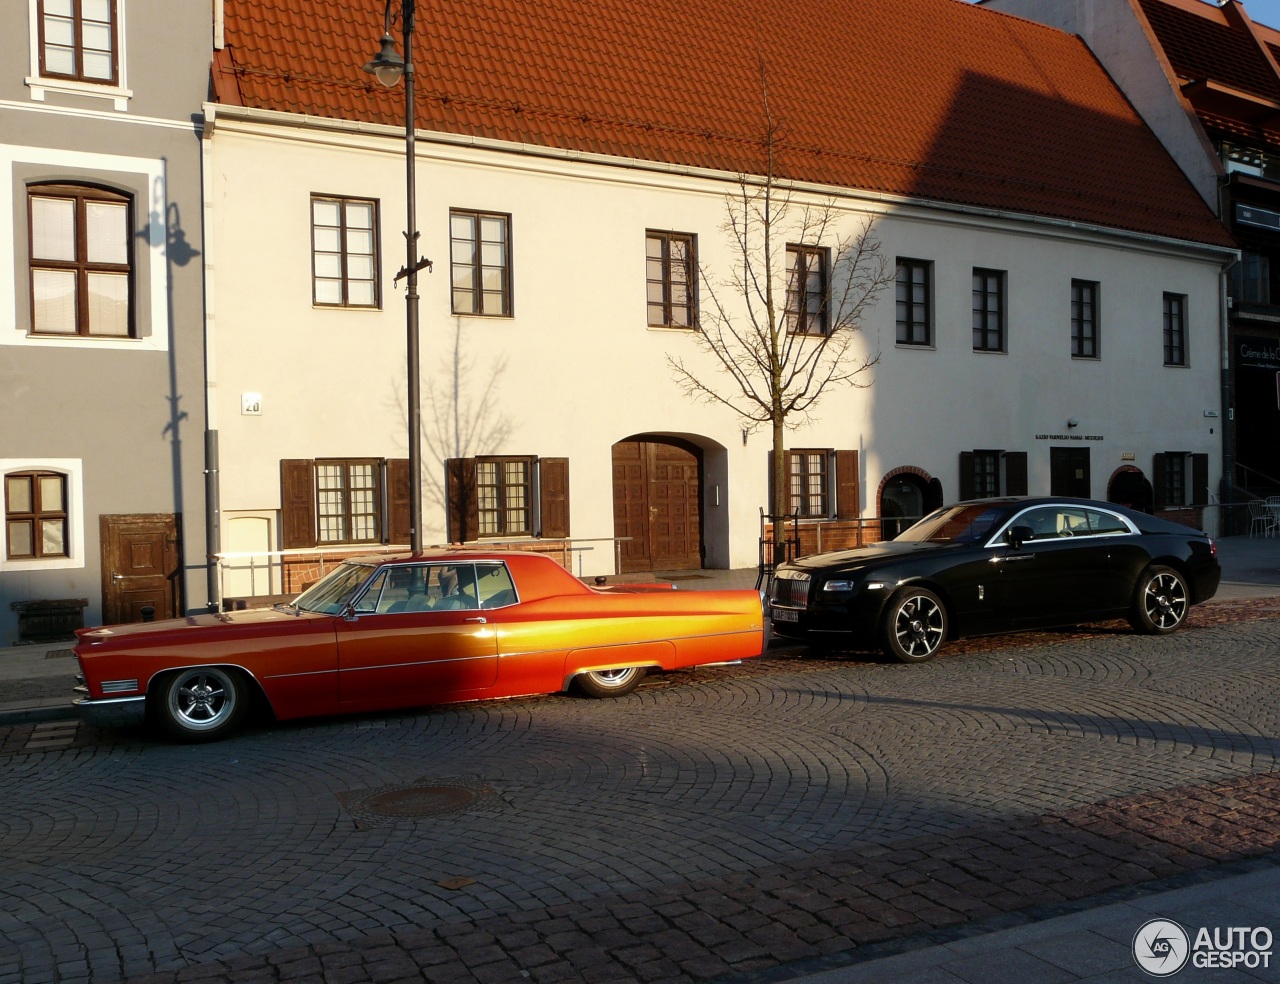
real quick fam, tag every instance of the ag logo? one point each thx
(1161, 947)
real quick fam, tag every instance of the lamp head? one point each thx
(388, 66)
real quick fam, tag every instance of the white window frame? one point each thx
(73, 469)
(152, 327)
(41, 86)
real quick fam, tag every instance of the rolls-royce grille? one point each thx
(790, 592)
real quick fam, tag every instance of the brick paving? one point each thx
(714, 826)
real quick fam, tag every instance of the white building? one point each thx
(1055, 324)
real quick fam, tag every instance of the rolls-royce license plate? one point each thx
(784, 615)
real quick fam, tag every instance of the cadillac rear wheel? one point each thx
(1160, 601)
(202, 703)
(609, 683)
(914, 626)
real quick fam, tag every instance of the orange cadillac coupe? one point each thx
(407, 631)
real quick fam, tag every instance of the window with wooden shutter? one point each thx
(985, 474)
(507, 496)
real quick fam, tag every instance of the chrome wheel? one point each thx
(609, 683)
(200, 704)
(915, 626)
(1162, 601)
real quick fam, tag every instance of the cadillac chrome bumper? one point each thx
(112, 712)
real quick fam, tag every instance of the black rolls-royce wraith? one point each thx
(997, 565)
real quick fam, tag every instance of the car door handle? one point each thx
(481, 619)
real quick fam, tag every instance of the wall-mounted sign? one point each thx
(1257, 352)
(1070, 437)
(251, 404)
(1254, 216)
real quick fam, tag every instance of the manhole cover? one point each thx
(420, 801)
(416, 800)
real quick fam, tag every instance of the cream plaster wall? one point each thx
(582, 369)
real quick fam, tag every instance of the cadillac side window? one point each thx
(452, 587)
(494, 587)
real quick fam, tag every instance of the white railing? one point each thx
(261, 574)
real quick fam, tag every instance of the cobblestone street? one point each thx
(719, 824)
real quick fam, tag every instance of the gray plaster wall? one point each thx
(130, 413)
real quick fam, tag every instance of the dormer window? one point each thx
(78, 40)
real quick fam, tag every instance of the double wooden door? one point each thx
(656, 506)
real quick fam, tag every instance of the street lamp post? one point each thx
(389, 67)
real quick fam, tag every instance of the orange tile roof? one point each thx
(935, 99)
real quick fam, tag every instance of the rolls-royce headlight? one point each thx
(838, 586)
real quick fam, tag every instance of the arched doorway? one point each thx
(906, 495)
(1129, 487)
(657, 493)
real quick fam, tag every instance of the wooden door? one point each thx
(140, 566)
(656, 505)
(1069, 472)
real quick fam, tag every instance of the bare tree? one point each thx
(461, 417)
(779, 346)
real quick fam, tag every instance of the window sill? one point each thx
(916, 346)
(40, 87)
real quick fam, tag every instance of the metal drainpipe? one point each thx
(1228, 483)
(212, 520)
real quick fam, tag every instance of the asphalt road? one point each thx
(717, 824)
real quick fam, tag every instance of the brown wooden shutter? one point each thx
(553, 492)
(463, 512)
(297, 503)
(847, 500)
(1015, 473)
(398, 501)
(967, 489)
(1159, 487)
(1200, 479)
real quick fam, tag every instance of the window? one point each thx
(348, 501)
(806, 290)
(77, 40)
(35, 509)
(1251, 279)
(504, 494)
(914, 302)
(1084, 319)
(343, 500)
(1179, 479)
(80, 260)
(1175, 329)
(988, 310)
(988, 473)
(670, 266)
(43, 502)
(344, 252)
(809, 482)
(480, 263)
